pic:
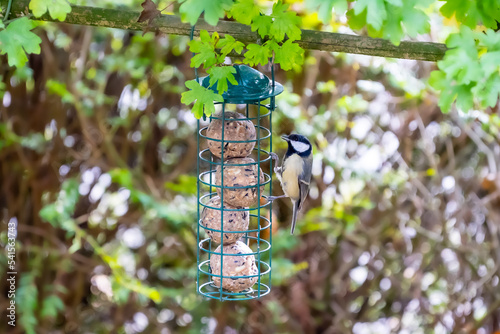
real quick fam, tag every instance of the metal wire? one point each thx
(7, 12)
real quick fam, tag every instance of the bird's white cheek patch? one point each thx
(299, 146)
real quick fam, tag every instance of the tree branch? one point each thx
(312, 40)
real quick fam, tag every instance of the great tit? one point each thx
(295, 172)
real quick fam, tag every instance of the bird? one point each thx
(295, 172)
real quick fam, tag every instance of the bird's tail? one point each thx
(294, 215)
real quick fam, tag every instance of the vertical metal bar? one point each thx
(222, 199)
(271, 187)
(272, 101)
(258, 199)
(191, 38)
(198, 206)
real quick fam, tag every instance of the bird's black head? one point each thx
(298, 144)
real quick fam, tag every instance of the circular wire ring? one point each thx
(262, 228)
(267, 106)
(267, 179)
(262, 272)
(250, 293)
(266, 136)
(217, 163)
(259, 251)
(210, 195)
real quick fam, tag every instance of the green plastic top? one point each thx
(252, 86)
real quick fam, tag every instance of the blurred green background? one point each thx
(400, 232)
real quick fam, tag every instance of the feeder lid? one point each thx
(252, 86)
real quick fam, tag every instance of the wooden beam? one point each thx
(312, 40)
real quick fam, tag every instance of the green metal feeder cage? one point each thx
(254, 99)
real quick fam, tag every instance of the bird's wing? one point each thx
(304, 180)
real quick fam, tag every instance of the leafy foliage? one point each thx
(17, 40)
(244, 11)
(285, 23)
(257, 54)
(469, 70)
(288, 55)
(58, 9)
(204, 49)
(221, 75)
(202, 97)
(213, 10)
(324, 8)
(387, 18)
(59, 213)
(27, 295)
(281, 24)
(471, 12)
(227, 45)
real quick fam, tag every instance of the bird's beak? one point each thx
(284, 137)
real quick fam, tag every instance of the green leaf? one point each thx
(60, 212)
(375, 12)
(488, 92)
(285, 23)
(451, 92)
(17, 40)
(202, 97)
(122, 176)
(204, 49)
(213, 10)
(262, 24)
(186, 184)
(288, 55)
(58, 9)
(471, 13)
(324, 8)
(221, 75)
(244, 11)
(228, 44)
(414, 19)
(27, 295)
(51, 306)
(257, 54)
(58, 88)
(386, 18)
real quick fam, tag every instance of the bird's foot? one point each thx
(272, 198)
(275, 157)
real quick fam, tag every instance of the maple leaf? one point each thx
(285, 23)
(324, 8)
(58, 9)
(228, 44)
(471, 13)
(261, 24)
(221, 75)
(244, 11)
(204, 49)
(257, 54)
(213, 10)
(375, 12)
(17, 40)
(202, 97)
(288, 55)
(149, 13)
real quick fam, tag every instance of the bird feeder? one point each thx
(234, 167)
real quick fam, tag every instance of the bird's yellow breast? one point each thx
(292, 168)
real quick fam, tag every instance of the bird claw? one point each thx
(272, 198)
(275, 157)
